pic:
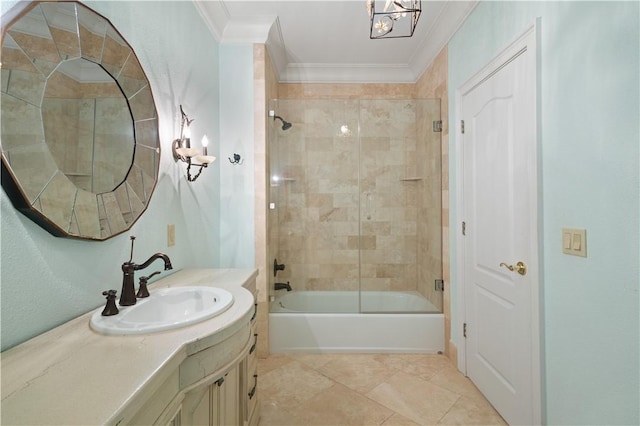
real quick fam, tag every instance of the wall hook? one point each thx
(237, 159)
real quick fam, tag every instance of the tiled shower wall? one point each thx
(366, 193)
(265, 88)
(316, 181)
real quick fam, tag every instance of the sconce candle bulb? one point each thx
(205, 158)
(205, 142)
(187, 136)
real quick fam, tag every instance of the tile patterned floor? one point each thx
(368, 389)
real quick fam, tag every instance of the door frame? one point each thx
(529, 39)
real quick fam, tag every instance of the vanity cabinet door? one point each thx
(249, 371)
(176, 420)
(196, 407)
(229, 399)
(217, 404)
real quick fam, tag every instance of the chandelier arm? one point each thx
(404, 8)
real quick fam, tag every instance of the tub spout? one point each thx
(282, 286)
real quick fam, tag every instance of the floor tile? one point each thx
(453, 380)
(274, 361)
(467, 411)
(292, 384)
(419, 400)
(368, 390)
(340, 405)
(361, 373)
(424, 366)
(399, 420)
(314, 360)
(271, 414)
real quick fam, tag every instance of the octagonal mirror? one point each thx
(80, 145)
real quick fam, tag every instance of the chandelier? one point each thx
(397, 19)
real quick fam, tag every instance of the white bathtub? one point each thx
(328, 321)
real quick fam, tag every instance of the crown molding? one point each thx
(266, 29)
(277, 50)
(451, 17)
(447, 23)
(215, 15)
(255, 29)
(228, 30)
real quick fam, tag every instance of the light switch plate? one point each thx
(574, 241)
(171, 235)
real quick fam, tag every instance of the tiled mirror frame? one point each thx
(99, 216)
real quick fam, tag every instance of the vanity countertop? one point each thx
(74, 375)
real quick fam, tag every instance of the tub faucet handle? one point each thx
(277, 267)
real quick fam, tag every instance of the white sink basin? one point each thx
(165, 309)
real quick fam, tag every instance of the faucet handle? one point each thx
(132, 238)
(277, 267)
(143, 291)
(110, 308)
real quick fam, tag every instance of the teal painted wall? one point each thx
(590, 133)
(46, 281)
(237, 230)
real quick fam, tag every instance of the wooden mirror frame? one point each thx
(30, 176)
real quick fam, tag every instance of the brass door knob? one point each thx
(520, 267)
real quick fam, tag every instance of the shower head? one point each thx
(285, 124)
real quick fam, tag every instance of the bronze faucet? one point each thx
(128, 293)
(282, 286)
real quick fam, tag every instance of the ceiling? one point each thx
(328, 41)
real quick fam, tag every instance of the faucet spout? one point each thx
(282, 286)
(164, 257)
(128, 293)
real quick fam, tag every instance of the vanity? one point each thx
(204, 373)
(80, 157)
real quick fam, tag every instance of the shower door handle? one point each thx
(520, 267)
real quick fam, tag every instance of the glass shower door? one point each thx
(400, 198)
(315, 182)
(357, 211)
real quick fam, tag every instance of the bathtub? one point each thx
(328, 321)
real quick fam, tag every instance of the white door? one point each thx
(499, 207)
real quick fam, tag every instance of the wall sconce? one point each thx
(237, 159)
(182, 149)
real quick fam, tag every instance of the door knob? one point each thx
(520, 267)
